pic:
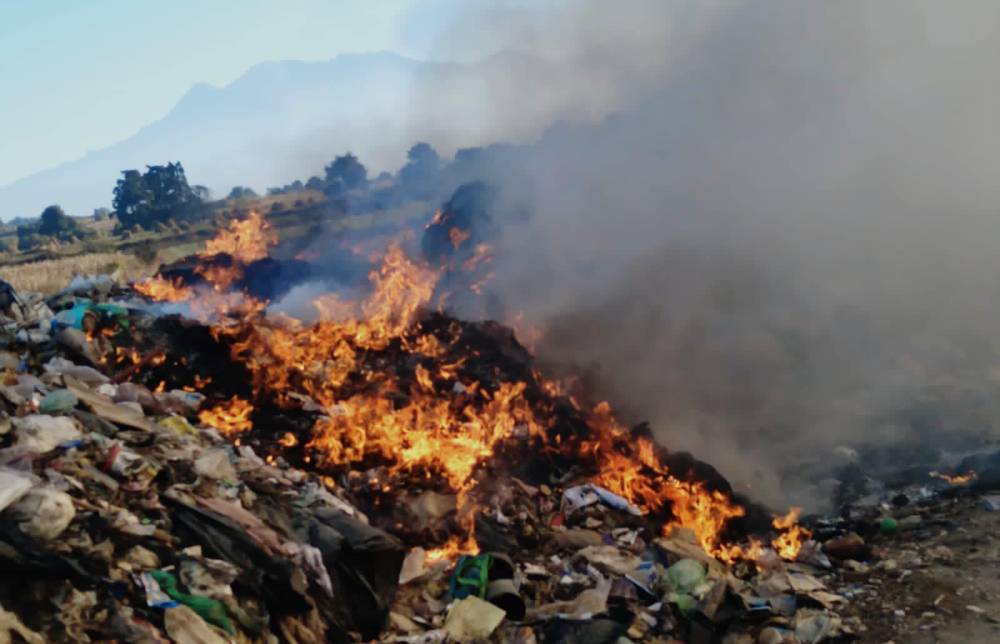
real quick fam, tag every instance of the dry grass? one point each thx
(263, 203)
(48, 276)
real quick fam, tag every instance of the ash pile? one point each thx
(384, 473)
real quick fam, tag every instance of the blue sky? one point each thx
(77, 76)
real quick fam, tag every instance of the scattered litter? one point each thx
(9, 623)
(503, 593)
(185, 625)
(582, 496)
(155, 597)
(13, 485)
(40, 433)
(58, 401)
(610, 559)
(215, 464)
(588, 603)
(43, 513)
(413, 566)
(685, 575)
(211, 610)
(991, 502)
(141, 558)
(471, 619)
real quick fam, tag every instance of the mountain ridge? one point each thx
(285, 119)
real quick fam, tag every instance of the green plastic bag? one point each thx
(685, 575)
(211, 610)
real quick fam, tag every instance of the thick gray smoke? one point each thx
(787, 240)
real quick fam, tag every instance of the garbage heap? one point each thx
(127, 515)
(123, 521)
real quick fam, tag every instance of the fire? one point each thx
(427, 345)
(164, 290)
(245, 240)
(427, 418)
(481, 254)
(477, 287)
(639, 476)
(428, 433)
(230, 418)
(456, 236)
(791, 535)
(452, 549)
(220, 277)
(957, 479)
(400, 288)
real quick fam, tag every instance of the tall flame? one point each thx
(425, 419)
(246, 240)
(230, 417)
(791, 535)
(162, 289)
(639, 476)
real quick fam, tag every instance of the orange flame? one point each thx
(457, 236)
(230, 418)
(791, 535)
(415, 429)
(481, 254)
(246, 240)
(640, 477)
(163, 290)
(220, 277)
(957, 479)
(451, 549)
(432, 433)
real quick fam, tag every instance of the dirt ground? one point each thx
(938, 581)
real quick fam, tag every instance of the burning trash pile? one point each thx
(383, 472)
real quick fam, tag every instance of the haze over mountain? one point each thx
(284, 120)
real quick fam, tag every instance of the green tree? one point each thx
(345, 173)
(55, 222)
(159, 194)
(419, 175)
(173, 198)
(241, 192)
(28, 237)
(132, 199)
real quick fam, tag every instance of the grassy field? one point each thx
(300, 219)
(50, 275)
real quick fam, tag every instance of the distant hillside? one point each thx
(285, 120)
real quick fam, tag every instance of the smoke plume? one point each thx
(784, 241)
